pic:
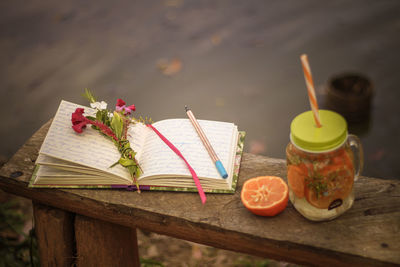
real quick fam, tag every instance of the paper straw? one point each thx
(310, 89)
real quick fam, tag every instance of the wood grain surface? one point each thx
(366, 235)
(110, 244)
(56, 229)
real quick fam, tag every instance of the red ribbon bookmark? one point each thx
(194, 175)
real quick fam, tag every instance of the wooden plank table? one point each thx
(89, 227)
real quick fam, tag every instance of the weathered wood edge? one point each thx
(55, 234)
(192, 231)
(178, 227)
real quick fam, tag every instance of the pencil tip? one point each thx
(187, 108)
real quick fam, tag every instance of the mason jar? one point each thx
(322, 165)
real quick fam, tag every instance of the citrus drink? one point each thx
(320, 183)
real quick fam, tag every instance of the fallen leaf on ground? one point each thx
(257, 147)
(216, 39)
(169, 68)
(173, 3)
(377, 155)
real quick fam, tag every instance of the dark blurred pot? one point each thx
(350, 95)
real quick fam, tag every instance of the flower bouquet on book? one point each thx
(120, 151)
(113, 126)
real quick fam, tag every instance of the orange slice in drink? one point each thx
(296, 176)
(339, 184)
(265, 195)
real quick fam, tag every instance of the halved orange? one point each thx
(265, 195)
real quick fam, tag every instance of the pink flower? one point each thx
(121, 107)
(120, 102)
(78, 120)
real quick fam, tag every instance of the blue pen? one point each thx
(206, 143)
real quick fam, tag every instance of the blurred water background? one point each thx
(234, 61)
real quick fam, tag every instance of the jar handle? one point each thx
(358, 152)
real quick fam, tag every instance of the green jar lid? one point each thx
(305, 134)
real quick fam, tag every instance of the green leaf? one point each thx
(117, 125)
(132, 170)
(127, 146)
(99, 116)
(127, 162)
(102, 115)
(150, 262)
(114, 164)
(138, 172)
(89, 96)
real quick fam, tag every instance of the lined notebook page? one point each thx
(89, 148)
(157, 158)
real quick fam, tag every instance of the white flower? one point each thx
(99, 105)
